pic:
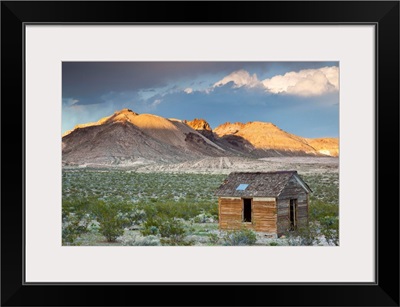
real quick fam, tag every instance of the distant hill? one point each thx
(266, 139)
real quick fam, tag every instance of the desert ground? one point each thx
(132, 197)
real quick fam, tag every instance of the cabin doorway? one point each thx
(293, 214)
(247, 210)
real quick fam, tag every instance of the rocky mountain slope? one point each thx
(326, 146)
(201, 126)
(129, 138)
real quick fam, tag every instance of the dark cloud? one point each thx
(87, 81)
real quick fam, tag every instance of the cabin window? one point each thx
(247, 210)
(293, 214)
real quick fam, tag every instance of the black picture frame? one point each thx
(383, 14)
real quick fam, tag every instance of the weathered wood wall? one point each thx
(230, 212)
(293, 190)
(264, 215)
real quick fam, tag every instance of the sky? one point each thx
(299, 97)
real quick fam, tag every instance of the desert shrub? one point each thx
(117, 185)
(273, 244)
(136, 240)
(329, 226)
(213, 238)
(326, 217)
(303, 236)
(179, 209)
(319, 210)
(151, 227)
(204, 218)
(172, 227)
(94, 226)
(171, 230)
(324, 186)
(133, 215)
(75, 220)
(112, 219)
(239, 237)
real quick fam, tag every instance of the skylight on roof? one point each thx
(242, 187)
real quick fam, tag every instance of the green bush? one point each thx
(319, 210)
(75, 220)
(136, 240)
(204, 218)
(330, 229)
(326, 218)
(213, 238)
(171, 230)
(180, 209)
(150, 227)
(239, 237)
(112, 219)
(303, 236)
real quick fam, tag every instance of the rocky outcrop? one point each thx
(201, 126)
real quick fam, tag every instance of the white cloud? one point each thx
(155, 103)
(188, 90)
(69, 101)
(308, 82)
(240, 78)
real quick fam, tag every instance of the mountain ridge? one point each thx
(126, 137)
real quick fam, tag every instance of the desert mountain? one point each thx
(326, 146)
(121, 116)
(265, 139)
(129, 138)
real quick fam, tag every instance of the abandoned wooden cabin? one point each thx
(270, 202)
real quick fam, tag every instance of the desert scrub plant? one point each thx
(326, 217)
(111, 218)
(137, 240)
(131, 186)
(204, 217)
(303, 236)
(213, 238)
(171, 230)
(319, 210)
(329, 227)
(150, 227)
(239, 237)
(75, 220)
(179, 209)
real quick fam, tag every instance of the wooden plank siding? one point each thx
(292, 190)
(264, 214)
(230, 212)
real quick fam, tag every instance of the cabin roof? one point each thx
(258, 184)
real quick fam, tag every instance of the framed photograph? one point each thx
(237, 153)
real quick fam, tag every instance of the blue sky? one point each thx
(299, 97)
